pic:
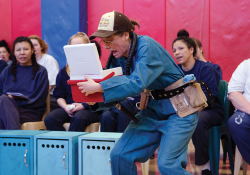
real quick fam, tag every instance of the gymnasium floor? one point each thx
(191, 167)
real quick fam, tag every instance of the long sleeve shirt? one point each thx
(152, 68)
(35, 89)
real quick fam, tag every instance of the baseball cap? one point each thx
(111, 23)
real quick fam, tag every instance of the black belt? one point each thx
(162, 94)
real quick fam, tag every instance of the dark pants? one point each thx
(12, 116)
(239, 127)
(113, 120)
(207, 119)
(53, 103)
(54, 120)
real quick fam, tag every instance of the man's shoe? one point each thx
(206, 172)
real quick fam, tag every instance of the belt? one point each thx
(166, 94)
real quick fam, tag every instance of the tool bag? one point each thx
(186, 98)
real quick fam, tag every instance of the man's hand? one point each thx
(90, 86)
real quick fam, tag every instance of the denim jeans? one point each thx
(140, 140)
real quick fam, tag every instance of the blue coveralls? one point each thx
(158, 125)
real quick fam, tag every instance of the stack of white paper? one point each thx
(83, 60)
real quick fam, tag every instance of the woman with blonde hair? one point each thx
(80, 116)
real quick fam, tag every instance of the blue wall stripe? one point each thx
(83, 22)
(60, 20)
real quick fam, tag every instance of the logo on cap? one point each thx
(107, 22)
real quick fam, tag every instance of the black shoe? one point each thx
(206, 172)
(153, 156)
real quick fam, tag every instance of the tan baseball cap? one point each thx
(111, 23)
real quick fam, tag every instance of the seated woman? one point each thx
(48, 62)
(5, 53)
(200, 56)
(79, 117)
(184, 49)
(239, 122)
(25, 77)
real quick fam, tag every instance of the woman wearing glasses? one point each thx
(147, 65)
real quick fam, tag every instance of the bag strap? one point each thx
(127, 72)
(162, 94)
(125, 111)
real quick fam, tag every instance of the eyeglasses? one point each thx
(108, 43)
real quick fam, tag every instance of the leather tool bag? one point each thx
(144, 99)
(186, 98)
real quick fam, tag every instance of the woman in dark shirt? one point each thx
(25, 77)
(80, 116)
(184, 49)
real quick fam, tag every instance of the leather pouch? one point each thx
(191, 100)
(144, 99)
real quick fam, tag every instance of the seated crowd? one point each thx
(25, 72)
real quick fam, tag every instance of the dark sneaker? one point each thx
(206, 172)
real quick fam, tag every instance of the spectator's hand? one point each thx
(90, 86)
(15, 97)
(70, 113)
(11, 96)
(78, 107)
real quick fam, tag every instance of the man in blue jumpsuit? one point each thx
(158, 124)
